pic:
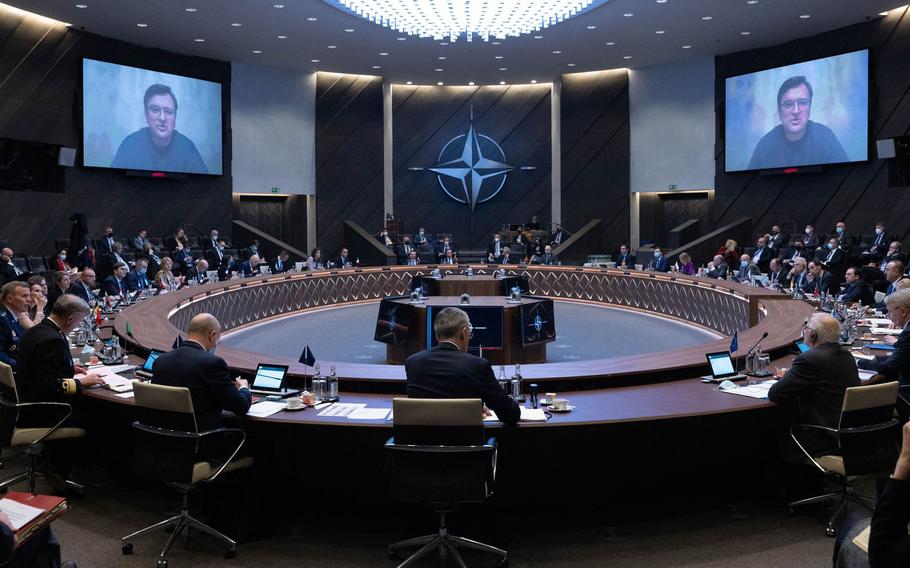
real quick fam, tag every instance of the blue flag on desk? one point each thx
(177, 342)
(307, 357)
(734, 343)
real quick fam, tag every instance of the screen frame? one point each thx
(869, 102)
(711, 367)
(523, 308)
(284, 376)
(80, 119)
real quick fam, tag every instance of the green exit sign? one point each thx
(277, 189)
(672, 186)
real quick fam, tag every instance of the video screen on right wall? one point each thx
(806, 114)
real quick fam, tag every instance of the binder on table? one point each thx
(31, 513)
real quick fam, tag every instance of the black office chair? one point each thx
(865, 443)
(33, 423)
(170, 448)
(438, 456)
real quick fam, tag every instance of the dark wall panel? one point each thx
(40, 83)
(595, 153)
(858, 194)
(426, 118)
(348, 156)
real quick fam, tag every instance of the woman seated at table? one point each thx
(314, 261)
(58, 288)
(728, 251)
(165, 278)
(36, 304)
(61, 262)
(686, 266)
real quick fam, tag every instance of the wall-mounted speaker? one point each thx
(66, 157)
(885, 148)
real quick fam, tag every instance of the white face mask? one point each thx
(878, 231)
(808, 231)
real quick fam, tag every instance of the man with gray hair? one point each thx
(13, 302)
(812, 389)
(718, 268)
(896, 365)
(449, 371)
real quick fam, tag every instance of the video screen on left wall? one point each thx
(138, 119)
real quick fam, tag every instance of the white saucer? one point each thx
(298, 409)
(566, 409)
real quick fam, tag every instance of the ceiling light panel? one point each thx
(452, 19)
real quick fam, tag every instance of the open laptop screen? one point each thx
(269, 377)
(721, 364)
(153, 354)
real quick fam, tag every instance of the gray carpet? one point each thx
(752, 535)
(583, 332)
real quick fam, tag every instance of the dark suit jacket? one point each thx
(344, 262)
(813, 387)
(547, 260)
(718, 271)
(558, 237)
(213, 259)
(836, 264)
(859, 291)
(44, 360)
(627, 258)
(7, 273)
(824, 284)
(777, 241)
(285, 266)
(779, 278)
(761, 257)
(889, 544)
(10, 337)
(446, 372)
(103, 246)
(793, 251)
(896, 365)
(811, 242)
(206, 375)
(745, 274)
(135, 281)
(77, 289)
(659, 264)
(110, 286)
(491, 248)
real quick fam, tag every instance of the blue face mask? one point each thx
(839, 230)
(830, 246)
(657, 254)
(743, 263)
(143, 271)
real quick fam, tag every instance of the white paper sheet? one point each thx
(265, 408)
(759, 390)
(858, 355)
(533, 415)
(866, 375)
(885, 331)
(19, 514)
(369, 413)
(125, 394)
(341, 409)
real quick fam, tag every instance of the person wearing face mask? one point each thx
(811, 240)
(105, 244)
(61, 262)
(384, 239)
(834, 257)
(798, 250)
(495, 246)
(776, 239)
(878, 248)
(421, 238)
(449, 371)
(137, 278)
(895, 366)
(216, 256)
(195, 366)
(747, 269)
(843, 239)
(659, 262)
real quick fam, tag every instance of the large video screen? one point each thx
(805, 114)
(137, 119)
(538, 322)
(393, 322)
(486, 320)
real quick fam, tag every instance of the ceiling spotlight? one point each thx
(402, 39)
(257, 51)
(332, 46)
(376, 67)
(706, 18)
(349, 30)
(142, 25)
(628, 14)
(67, 24)
(312, 19)
(470, 83)
(383, 53)
(439, 83)
(82, 6)
(314, 61)
(467, 19)
(661, 1)
(502, 82)
(409, 83)
(533, 81)
(883, 13)
(660, 32)
(805, 16)
(556, 52)
(277, 5)
(441, 58)
(497, 57)
(236, 24)
(282, 37)
(443, 44)
(503, 68)
(627, 57)
(751, 2)
(199, 40)
(188, 9)
(496, 43)
(687, 47)
(439, 69)
(744, 33)
(592, 27)
(538, 37)
(611, 43)
(570, 64)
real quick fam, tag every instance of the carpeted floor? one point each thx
(748, 535)
(583, 332)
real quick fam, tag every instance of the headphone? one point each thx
(813, 334)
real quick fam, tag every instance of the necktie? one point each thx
(558, 237)
(830, 256)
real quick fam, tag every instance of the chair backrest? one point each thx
(867, 432)
(161, 406)
(166, 445)
(438, 420)
(8, 381)
(903, 404)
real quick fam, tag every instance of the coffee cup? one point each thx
(308, 398)
(560, 404)
(293, 403)
(550, 397)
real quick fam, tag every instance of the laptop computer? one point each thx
(146, 371)
(722, 368)
(269, 381)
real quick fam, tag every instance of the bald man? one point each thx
(194, 365)
(812, 389)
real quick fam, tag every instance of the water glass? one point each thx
(319, 389)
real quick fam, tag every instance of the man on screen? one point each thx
(159, 146)
(796, 140)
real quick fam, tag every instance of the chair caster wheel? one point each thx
(162, 563)
(230, 553)
(127, 548)
(791, 513)
(830, 532)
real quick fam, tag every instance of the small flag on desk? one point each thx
(307, 357)
(734, 343)
(129, 329)
(177, 342)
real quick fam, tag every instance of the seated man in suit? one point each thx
(558, 236)
(506, 257)
(777, 276)
(114, 258)
(798, 277)
(281, 263)
(762, 254)
(449, 258)
(13, 302)
(776, 239)
(820, 282)
(624, 258)
(84, 287)
(137, 278)
(879, 247)
(105, 243)
(856, 289)
(843, 239)
(718, 268)
(895, 252)
(8, 270)
(547, 258)
(894, 272)
(40, 550)
(443, 245)
(404, 249)
(812, 239)
(798, 250)
(195, 366)
(495, 246)
(197, 273)
(115, 284)
(658, 262)
(412, 259)
(139, 241)
(747, 269)
(247, 268)
(812, 389)
(834, 257)
(344, 259)
(897, 364)
(215, 256)
(449, 371)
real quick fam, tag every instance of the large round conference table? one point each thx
(647, 387)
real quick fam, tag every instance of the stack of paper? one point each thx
(342, 409)
(265, 408)
(759, 390)
(369, 413)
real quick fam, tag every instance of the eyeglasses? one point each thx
(470, 330)
(790, 104)
(155, 109)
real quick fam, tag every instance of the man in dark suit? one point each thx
(137, 278)
(215, 255)
(834, 257)
(718, 268)
(658, 262)
(897, 364)
(506, 257)
(198, 272)
(762, 254)
(843, 239)
(798, 250)
(281, 263)
(443, 246)
(247, 268)
(747, 269)
(547, 258)
(776, 239)
(812, 389)
(412, 259)
(625, 259)
(9, 271)
(777, 276)
(811, 240)
(495, 246)
(895, 252)
(558, 236)
(421, 238)
(140, 241)
(856, 289)
(798, 277)
(879, 247)
(194, 365)
(404, 249)
(84, 287)
(344, 259)
(13, 301)
(115, 284)
(106, 241)
(821, 282)
(449, 371)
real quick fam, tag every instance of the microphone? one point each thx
(757, 372)
(757, 343)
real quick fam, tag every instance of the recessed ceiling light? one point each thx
(257, 51)
(534, 81)
(497, 57)
(592, 27)
(376, 67)
(82, 6)
(751, 2)
(628, 14)
(142, 25)
(538, 37)
(314, 61)
(687, 47)
(331, 46)
(282, 37)
(441, 58)
(503, 68)
(410, 83)
(191, 9)
(502, 82)
(660, 32)
(199, 40)
(883, 13)
(312, 19)
(438, 69)
(444, 43)
(277, 5)
(349, 30)
(706, 18)
(471, 83)
(402, 39)
(383, 53)
(236, 24)
(611, 43)
(439, 83)
(496, 43)
(67, 24)
(805, 16)
(556, 52)
(570, 64)
(627, 57)
(744, 33)
(661, 1)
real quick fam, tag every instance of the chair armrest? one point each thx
(66, 408)
(227, 433)
(491, 442)
(870, 428)
(801, 428)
